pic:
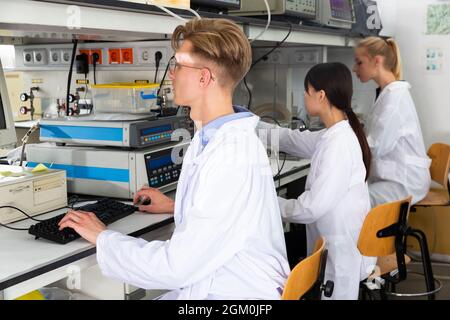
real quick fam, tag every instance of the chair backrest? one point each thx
(379, 218)
(440, 163)
(305, 274)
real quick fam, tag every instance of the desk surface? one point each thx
(26, 257)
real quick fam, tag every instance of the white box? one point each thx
(34, 193)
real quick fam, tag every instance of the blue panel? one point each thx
(159, 129)
(94, 173)
(82, 133)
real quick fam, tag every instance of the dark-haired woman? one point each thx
(336, 198)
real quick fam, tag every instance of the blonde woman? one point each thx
(400, 166)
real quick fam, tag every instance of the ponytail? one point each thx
(397, 68)
(359, 131)
(336, 80)
(388, 49)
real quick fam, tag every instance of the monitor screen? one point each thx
(160, 162)
(341, 9)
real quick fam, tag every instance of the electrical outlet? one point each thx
(40, 56)
(305, 57)
(127, 55)
(55, 56)
(66, 55)
(114, 56)
(147, 55)
(276, 57)
(28, 57)
(100, 56)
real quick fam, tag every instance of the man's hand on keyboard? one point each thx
(86, 224)
(160, 203)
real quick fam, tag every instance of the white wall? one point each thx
(406, 21)
(7, 56)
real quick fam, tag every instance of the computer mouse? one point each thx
(143, 201)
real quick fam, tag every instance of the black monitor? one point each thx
(215, 5)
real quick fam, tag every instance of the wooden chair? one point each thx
(306, 280)
(440, 165)
(383, 235)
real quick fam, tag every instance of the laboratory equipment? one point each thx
(336, 13)
(25, 97)
(112, 172)
(32, 192)
(295, 8)
(215, 5)
(94, 131)
(124, 97)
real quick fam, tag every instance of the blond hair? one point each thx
(389, 50)
(220, 41)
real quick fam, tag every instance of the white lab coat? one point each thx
(400, 165)
(228, 241)
(335, 202)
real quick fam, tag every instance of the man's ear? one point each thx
(205, 77)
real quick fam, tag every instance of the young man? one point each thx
(228, 240)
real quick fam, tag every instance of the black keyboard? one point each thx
(107, 210)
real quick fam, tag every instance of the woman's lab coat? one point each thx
(400, 165)
(335, 202)
(228, 241)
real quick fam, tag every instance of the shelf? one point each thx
(112, 20)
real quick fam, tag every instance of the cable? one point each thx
(71, 203)
(69, 77)
(158, 57)
(70, 206)
(86, 87)
(25, 141)
(279, 44)
(278, 175)
(15, 208)
(249, 104)
(95, 64)
(12, 228)
(162, 81)
(269, 18)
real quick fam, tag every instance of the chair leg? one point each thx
(426, 261)
(393, 288)
(383, 295)
(363, 293)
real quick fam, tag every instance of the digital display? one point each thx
(165, 128)
(341, 9)
(156, 163)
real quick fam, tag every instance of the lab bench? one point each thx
(29, 264)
